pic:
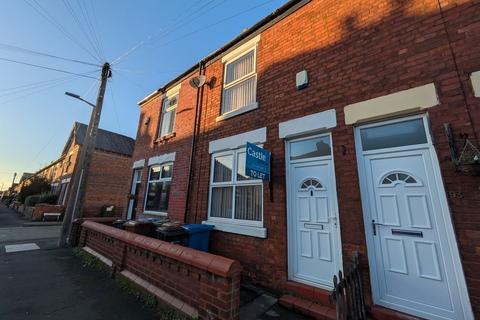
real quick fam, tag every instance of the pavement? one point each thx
(8, 218)
(52, 283)
(46, 282)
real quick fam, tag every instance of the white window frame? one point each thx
(233, 183)
(475, 78)
(151, 212)
(233, 56)
(164, 111)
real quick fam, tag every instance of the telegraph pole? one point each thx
(77, 189)
(13, 183)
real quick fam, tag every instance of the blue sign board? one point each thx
(257, 162)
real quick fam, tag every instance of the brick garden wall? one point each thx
(353, 51)
(193, 282)
(40, 209)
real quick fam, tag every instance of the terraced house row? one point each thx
(371, 112)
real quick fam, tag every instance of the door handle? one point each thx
(333, 219)
(374, 226)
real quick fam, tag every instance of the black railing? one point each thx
(348, 294)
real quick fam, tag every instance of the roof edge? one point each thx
(280, 13)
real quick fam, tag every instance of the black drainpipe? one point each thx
(192, 149)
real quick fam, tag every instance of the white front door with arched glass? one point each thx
(414, 261)
(314, 248)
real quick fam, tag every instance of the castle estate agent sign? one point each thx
(257, 164)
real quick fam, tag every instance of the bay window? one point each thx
(234, 197)
(158, 188)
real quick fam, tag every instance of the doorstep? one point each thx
(256, 303)
(317, 295)
(315, 302)
(308, 308)
(381, 313)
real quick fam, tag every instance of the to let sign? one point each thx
(257, 164)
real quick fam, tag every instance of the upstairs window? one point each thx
(168, 115)
(240, 80)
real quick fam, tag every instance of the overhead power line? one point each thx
(89, 31)
(181, 21)
(47, 68)
(89, 22)
(29, 85)
(33, 90)
(75, 17)
(49, 18)
(9, 47)
(23, 88)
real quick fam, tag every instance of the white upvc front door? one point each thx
(414, 261)
(314, 247)
(136, 180)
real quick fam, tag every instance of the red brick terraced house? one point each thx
(371, 112)
(109, 175)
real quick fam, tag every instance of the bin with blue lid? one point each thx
(199, 236)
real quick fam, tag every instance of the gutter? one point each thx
(277, 15)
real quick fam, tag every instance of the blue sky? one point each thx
(35, 115)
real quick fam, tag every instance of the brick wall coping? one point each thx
(218, 265)
(42, 205)
(98, 219)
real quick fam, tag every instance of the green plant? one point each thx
(37, 185)
(149, 300)
(169, 314)
(49, 198)
(34, 199)
(90, 260)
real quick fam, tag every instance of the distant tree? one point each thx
(37, 186)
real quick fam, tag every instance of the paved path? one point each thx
(8, 217)
(14, 230)
(53, 284)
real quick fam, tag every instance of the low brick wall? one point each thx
(197, 283)
(42, 208)
(27, 212)
(77, 227)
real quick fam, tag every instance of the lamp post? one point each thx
(77, 189)
(76, 96)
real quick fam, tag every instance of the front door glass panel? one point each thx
(311, 148)
(392, 135)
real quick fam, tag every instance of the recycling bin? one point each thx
(199, 236)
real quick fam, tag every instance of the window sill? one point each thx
(155, 213)
(257, 232)
(164, 138)
(237, 112)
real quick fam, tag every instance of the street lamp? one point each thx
(76, 96)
